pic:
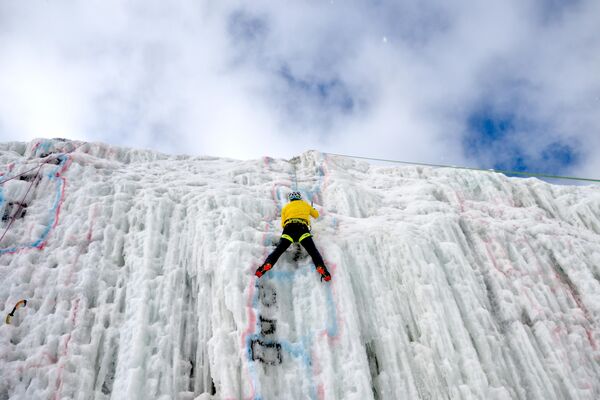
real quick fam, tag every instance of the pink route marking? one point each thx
(249, 309)
(89, 233)
(576, 298)
(250, 329)
(60, 202)
(65, 352)
(559, 330)
(335, 339)
(75, 308)
(52, 359)
(42, 245)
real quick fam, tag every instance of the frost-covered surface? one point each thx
(138, 269)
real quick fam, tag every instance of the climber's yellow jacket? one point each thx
(298, 209)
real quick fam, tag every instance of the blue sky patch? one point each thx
(504, 141)
(560, 154)
(555, 11)
(486, 128)
(331, 93)
(246, 27)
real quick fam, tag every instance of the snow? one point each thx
(138, 269)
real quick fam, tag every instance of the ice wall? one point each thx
(138, 272)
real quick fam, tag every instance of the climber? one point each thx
(295, 220)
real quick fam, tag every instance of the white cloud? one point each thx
(271, 78)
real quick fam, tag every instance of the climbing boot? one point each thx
(321, 269)
(262, 269)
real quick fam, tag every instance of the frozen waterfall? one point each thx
(138, 269)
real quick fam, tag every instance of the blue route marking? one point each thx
(316, 189)
(42, 147)
(52, 212)
(298, 350)
(332, 327)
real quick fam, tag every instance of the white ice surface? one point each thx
(138, 269)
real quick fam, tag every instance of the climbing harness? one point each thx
(296, 220)
(12, 313)
(288, 237)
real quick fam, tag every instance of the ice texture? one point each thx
(138, 269)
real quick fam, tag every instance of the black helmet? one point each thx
(294, 196)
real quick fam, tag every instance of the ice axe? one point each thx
(12, 313)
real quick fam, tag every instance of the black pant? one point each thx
(295, 231)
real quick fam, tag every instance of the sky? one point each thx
(513, 84)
